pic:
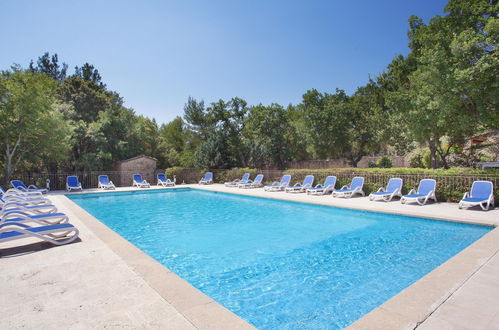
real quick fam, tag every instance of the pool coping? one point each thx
(406, 310)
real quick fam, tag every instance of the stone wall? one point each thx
(144, 165)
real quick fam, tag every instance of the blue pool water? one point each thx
(281, 264)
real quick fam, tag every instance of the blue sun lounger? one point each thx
(323, 188)
(55, 234)
(236, 182)
(426, 191)
(104, 183)
(40, 219)
(72, 183)
(18, 184)
(207, 178)
(257, 183)
(139, 182)
(8, 205)
(482, 193)
(163, 181)
(354, 188)
(393, 189)
(301, 187)
(278, 186)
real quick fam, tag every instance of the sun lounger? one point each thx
(6, 206)
(139, 182)
(393, 188)
(104, 183)
(236, 182)
(301, 187)
(354, 188)
(322, 189)
(23, 216)
(279, 185)
(482, 193)
(207, 178)
(18, 184)
(257, 183)
(163, 181)
(426, 191)
(55, 234)
(72, 183)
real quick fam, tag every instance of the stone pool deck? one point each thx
(103, 281)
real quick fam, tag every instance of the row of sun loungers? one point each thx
(26, 213)
(481, 191)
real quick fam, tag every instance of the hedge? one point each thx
(451, 183)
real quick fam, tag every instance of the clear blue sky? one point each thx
(157, 53)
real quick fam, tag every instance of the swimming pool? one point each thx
(281, 264)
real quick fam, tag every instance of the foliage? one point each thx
(31, 125)
(384, 162)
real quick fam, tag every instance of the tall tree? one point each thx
(29, 124)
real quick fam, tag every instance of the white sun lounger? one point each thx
(257, 183)
(354, 188)
(139, 182)
(393, 189)
(301, 187)
(426, 191)
(55, 234)
(323, 188)
(279, 186)
(482, 193)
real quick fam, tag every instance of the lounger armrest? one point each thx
(344, 187)
(412, 192)
(466, 195)
(382, 189)
(275, 182)
(319, 185)
(32, 186)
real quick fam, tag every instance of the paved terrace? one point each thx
(103, 281)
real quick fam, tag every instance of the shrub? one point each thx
(384, 162)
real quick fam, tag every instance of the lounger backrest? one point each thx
(103, 179)
(18, 184)
(258, 179)
(330, 181)
(426, 185)
(72, 181)
(357, 182)
(162, 177)
(394, 184)
(245, 177)
(286, 179)
(482, 189)
(137, 178)
(309, 180)
(208, 176)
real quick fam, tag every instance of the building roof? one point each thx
(136, 157)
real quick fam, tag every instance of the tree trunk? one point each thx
(433, 153)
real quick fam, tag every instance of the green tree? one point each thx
(326, 120)
(30, 124)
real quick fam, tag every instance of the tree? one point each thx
(364, 122)
(324, 116)
(268, 136)
(29, 122)
(50, 65)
